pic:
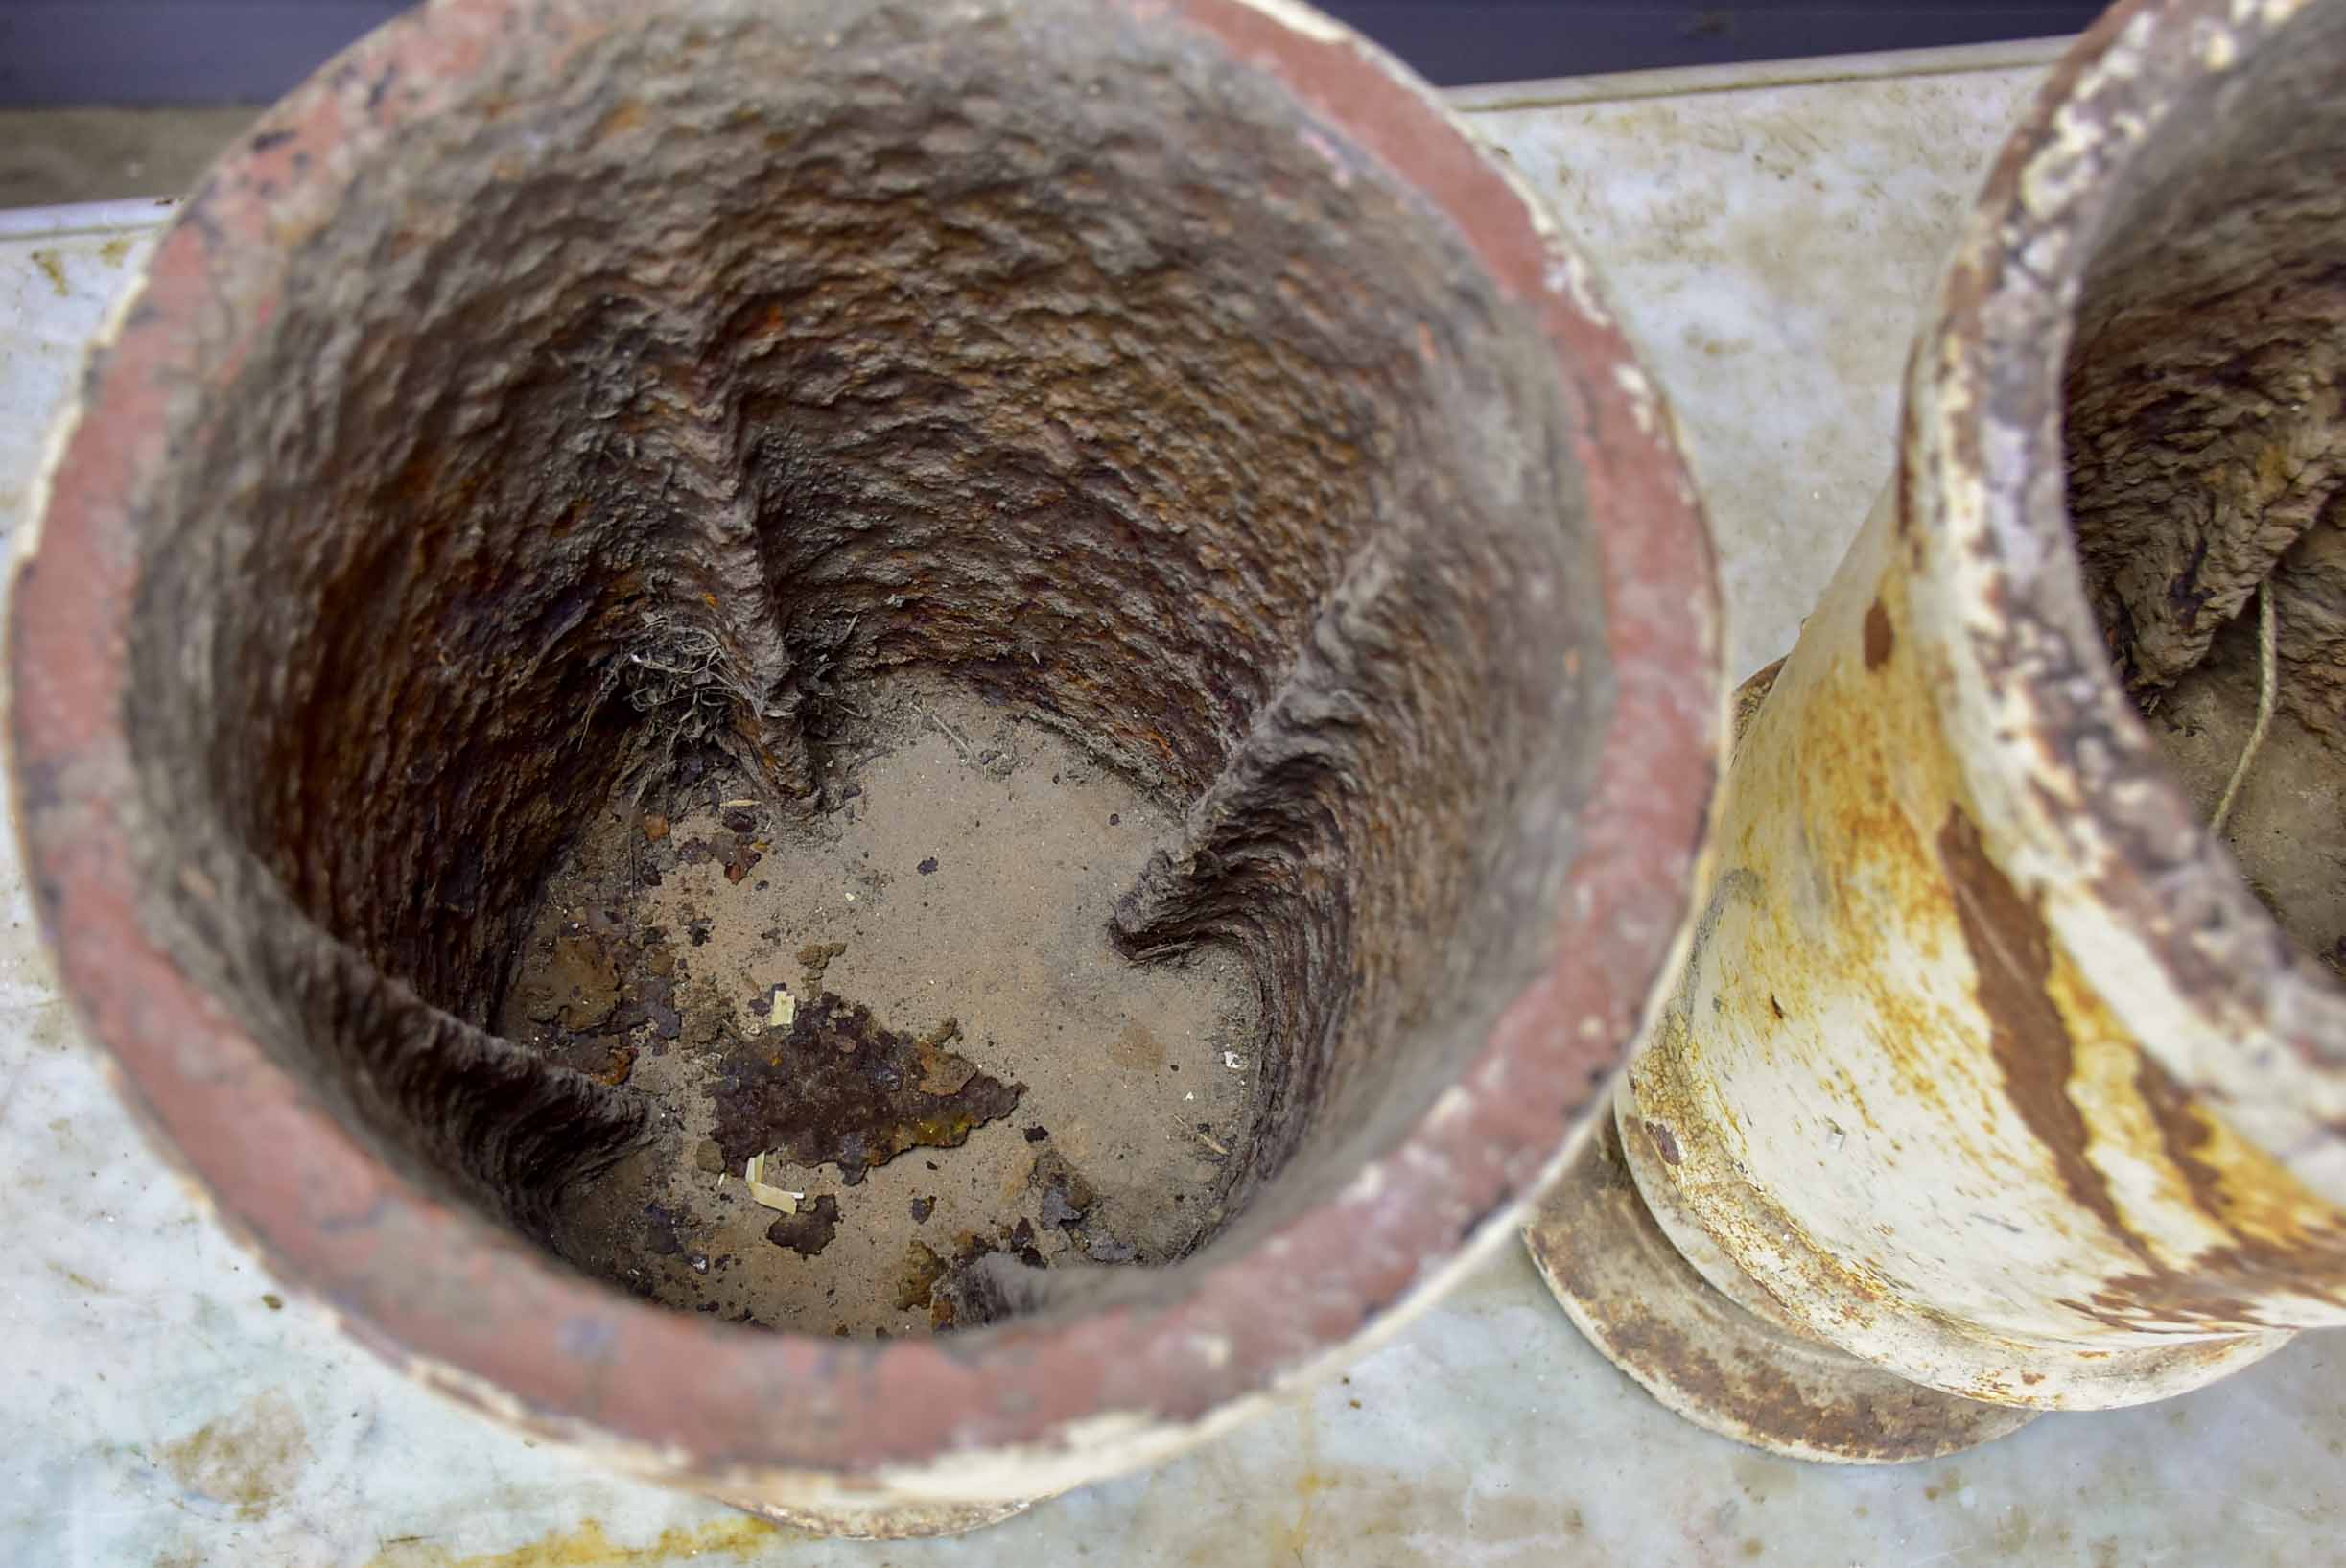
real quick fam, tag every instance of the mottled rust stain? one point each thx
(2281, 1241)
(1879, 637)
(1761, 1399)
(1865, 760)
(2278, 1238)
(2161, 1299)
(2012, 955)
(624, 116)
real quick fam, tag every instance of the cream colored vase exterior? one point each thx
(1989, 1071)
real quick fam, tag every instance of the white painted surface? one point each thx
(1768, 245)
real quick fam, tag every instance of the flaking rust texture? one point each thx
(841, 1090)
(809, 1231)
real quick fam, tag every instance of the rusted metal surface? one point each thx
(547, 390)
(1990, 1067)
(1637, 1298)
(841, 1086)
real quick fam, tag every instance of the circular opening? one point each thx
(702, 457)
(2206, 451)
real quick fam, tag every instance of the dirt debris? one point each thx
(809, 1231)
(813, 959)
(740, 856)
(1064, 1195)
(578, 987)
(925, 999)
(923, 1269)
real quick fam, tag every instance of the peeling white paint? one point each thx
(1312, 24)
(1639, 393)
(1569, 275)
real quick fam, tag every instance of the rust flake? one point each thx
(1665, 1143)
(1880, 640)
(839, 1088)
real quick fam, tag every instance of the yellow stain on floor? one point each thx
(51, 265)
(1289, 1540)
(249, 1459)
(590, 1545)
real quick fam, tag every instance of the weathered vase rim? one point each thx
(2056, 753)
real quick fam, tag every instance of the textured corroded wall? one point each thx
(661, 401)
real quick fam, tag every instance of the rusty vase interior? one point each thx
(2204, 422)
(631, 443)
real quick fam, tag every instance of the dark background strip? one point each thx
(144, 52)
